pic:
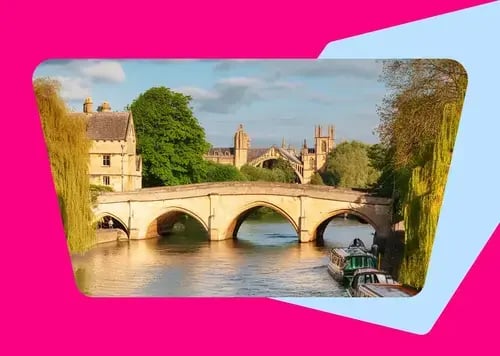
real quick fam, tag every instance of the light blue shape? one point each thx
(470, 210)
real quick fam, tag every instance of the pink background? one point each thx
(42, 310)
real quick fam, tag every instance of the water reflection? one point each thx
(265, 260)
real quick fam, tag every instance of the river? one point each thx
(265, 260)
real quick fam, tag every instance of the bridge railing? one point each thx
(308, 187)
(263, 187)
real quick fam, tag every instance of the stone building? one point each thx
(113, 159)
(305, 162)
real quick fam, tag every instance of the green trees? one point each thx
(411, 114)
(169, 138)
(348, 165)
(316, 179)
(222, 173)
(281, 172)
(68, 148)
(424, 198)
(419, 121)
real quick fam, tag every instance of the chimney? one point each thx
(87, 105)
(105, 107)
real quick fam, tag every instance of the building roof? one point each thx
(108, 125)
(220, 151)
(253, 153)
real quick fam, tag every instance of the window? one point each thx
(105, 180)
(323, 146)
(368, 278)
(106, 160)
(387, 279)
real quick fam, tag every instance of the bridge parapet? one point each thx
(244, 188)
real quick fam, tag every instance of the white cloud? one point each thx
(197, 93)
(74, 88)
(77, 77)
(105, 71)
(241, 82)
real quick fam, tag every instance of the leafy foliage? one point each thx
(411, 114)
(216, 172)
(169, 138)
(316, 179)
(96, 190)
(265, 213)
(419, 121)
(424, 199)
(281, 172)
(348, 165)
(68, 147)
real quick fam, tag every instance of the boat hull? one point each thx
(338, 274)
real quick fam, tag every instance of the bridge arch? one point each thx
(320, 227)
(101, 218)
(292, 164)
(167, 217)
(275, 154)
(236, 222)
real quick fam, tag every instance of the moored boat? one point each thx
(371, 282)
(345, 261)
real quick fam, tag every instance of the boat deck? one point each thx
(388, 290)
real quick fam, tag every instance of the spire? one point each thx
(283, 145)
(305, 144)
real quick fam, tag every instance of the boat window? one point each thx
(354, 262)
(371, 262)
(368, 278)
(385, 278)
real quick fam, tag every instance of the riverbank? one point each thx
(103, 236)
(393, 253)
(392, 258)
(109, 235)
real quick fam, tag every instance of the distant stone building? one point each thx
(305, 163)
(113, 159)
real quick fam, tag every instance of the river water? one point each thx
(265, 260)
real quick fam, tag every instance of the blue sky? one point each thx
(271, 98)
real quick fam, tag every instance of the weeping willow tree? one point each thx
(419, 121)
(424, 199)
(68, 148)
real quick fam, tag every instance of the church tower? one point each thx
(309, 162)
(241, 146)
(324, 144)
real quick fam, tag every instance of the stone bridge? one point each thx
(221, 208)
